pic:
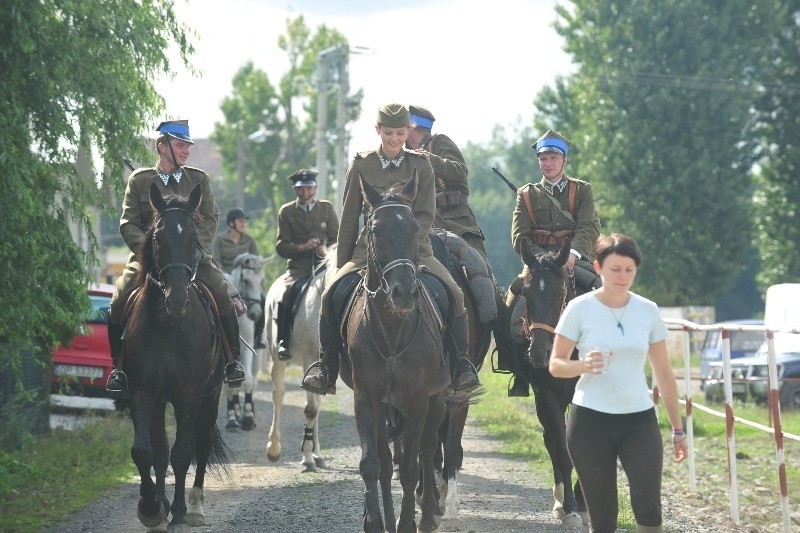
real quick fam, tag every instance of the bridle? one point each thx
(382, 270)
(246, 266)
(566, 282)
(160, 270)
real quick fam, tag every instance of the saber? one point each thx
(508, 182)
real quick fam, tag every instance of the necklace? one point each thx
(618, 318)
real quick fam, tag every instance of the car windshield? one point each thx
(99, 312)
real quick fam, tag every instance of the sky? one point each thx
(474, 65)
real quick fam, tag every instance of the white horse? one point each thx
(304, 350)
(248, 277)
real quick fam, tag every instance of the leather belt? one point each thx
(446, 198)
(550, 238)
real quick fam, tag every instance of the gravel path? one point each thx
(498, 494)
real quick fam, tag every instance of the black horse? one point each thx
(547, 290)
(396, 363)
(172, 355)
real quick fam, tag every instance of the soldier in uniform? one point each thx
(453, 212)
(389, 165)
(306, 227)
(549, 212)
(171, 176)
(230, 244)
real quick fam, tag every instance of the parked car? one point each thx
(750, 377)
(81, 367)
(743, 344)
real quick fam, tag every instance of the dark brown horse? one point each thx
(172, 355)
(547, 290)
(396, 363)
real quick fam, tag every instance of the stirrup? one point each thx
(283, 351)
(234, 374)
(516, 389)
(117, 381)
(312, 380)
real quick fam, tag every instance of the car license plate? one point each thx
(94, 372)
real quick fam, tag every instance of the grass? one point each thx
(51, 476)
(513, 420)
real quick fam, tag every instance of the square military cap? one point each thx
(421, 117)
(177, 129)
(552, 141)
(304, 178)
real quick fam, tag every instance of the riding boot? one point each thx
(320, 378)
(284, 330)
(117, 380)
(519, 384)
(234, 372)
(258, 341)
(463, 373)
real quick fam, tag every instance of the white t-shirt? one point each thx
(591, 324)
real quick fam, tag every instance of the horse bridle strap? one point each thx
(383, 269)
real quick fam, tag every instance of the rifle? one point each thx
(128, 163)
(508, 182)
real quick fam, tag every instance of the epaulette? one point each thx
(363, 155)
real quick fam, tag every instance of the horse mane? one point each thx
(145, 254)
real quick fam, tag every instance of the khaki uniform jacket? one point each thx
(137, 213)
(450, 171)
(225, 250)
(586, 227)
(352, 243)
(296, 226)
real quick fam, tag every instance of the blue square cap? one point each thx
(177, 129)
(552, 141)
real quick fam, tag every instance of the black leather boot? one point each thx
(258, 341)
(117, 380)
(519, 387)
(234, 372)
(463, 372)
(320, 378)
(284, 330)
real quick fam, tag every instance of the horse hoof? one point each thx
(572, 520)
(309, 466)
(151, 521)
(248, 423)
(451, 524)
(273, 456)
(320, 462)
(232, 424)
(183, 527)
(160, 528)
(195, 519)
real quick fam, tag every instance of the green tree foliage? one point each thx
(74, 74)
(287, 115)
(777, 196)
(659, 111)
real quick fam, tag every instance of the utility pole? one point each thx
(335, 59)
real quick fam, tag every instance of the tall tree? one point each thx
(75, 74)
(777, 196)
(661, 101)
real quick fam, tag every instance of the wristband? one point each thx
(677, 431)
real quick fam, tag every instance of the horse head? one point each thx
(547, 289)
(174, 249)
(392, 249)
(249, 280)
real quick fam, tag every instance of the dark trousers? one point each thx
(595, 441)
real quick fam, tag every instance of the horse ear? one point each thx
(156, 198)
(563, 254)
(371, 196)
(196, 196)
(410, 189)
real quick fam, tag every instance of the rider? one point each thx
(230, 244)
(546, 214)
(306, 227)
(171, 176)
(389, 165)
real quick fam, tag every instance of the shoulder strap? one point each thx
(573, 188)
(526, 195)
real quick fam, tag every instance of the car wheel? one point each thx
(790, 396)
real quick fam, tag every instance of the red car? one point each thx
(81, 367)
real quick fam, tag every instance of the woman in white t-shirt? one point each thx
(612, 414)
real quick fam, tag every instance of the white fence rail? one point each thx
(774, 405)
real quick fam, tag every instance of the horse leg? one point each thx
(248, 420)
(453, 460)
(409, 467)
(278, 393)
(158, 437)
(181, 458)
(385, 456)
(308, 447)
(233, 399)
(318, 459)
(429, 443)
(150, 510)
(369, 422)
(204, 439)
(397, 455)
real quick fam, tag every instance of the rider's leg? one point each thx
(258, 340)
(284, 331)
(214, 279)
(519, 384)
(117, 380)
(125, 284)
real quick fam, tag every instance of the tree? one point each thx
(777, 194)
(75, 74)
(659, 109)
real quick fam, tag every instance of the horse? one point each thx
(304, 343)
(396, 365)
(173, 355)
(248, 278)
(547, 289)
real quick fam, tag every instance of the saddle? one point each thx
(436, 292)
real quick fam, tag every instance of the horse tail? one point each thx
(219, 457)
